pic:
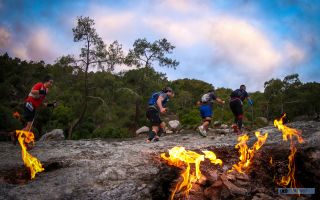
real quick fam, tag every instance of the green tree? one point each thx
(145, 53)
(92, 53)
(114, 56)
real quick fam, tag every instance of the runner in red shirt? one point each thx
(35, 99)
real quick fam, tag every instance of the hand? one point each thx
(44, 92)
(163, 110)
(250, 102)
(223, 102)
(53, 105)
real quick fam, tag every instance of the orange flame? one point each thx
(34, 165)
(289, 133)
(212, 157)
(246, 154)
(180, 157)
(16, 115)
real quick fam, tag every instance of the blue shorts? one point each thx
(206, 111)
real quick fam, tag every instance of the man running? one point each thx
(157, 104)
(236, 103)
(206, 113)
(33, 101)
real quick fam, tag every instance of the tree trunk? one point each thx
(85, 101)
(136, 118)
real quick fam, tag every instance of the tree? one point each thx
(93, 53)
(114, 56)
(145, 53)
(273, 91)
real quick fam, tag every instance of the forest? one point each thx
(94, 101)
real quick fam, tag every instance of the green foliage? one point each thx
(190, 117)
(110, 132)
(144, 53)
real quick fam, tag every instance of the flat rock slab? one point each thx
(109, 169)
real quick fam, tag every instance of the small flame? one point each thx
(180, 157)
(34, 165)
(289, 133)
(246, 154)
(212, 157)
(16, 115)
(271, 161)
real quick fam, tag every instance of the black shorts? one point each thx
(236, 107)
(153, 116)
(27, 114)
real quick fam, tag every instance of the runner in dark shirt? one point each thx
(237, 98)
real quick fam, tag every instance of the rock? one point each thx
(244, 177)
(224, 126)
(212, 176)
(143, 129)
(225, 193)
(263, 119)
(212, 193)
(216, 123)
(241, 183)
(174, 124)
(232, 187)
(217, 184)
(55, 134)
(262, 196)
(203, 180)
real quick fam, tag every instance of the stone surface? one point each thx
(263, 119)
(174, 124)
(224, 126)
(128, 169)
(55, 134)
(143, 129)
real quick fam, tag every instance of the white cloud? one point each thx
(38, 46)
(4, 37)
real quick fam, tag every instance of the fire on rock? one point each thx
(232, 182)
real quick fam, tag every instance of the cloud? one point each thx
(4, 37)
(38, 45)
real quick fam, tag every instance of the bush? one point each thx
(190, 118)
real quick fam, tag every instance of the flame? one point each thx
(34, 165)
(16, 115)
(212, 157)
(180, 157)
(289, 133)
(246, 154)
(271, 161)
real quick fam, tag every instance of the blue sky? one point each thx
(226, 43)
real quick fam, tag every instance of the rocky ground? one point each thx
(132, 169)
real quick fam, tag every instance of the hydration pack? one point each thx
(154, 97)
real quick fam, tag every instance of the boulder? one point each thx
(143, 129)
(224, 126)
(263, 119)
(174, 124)
(55, 134)
(216, 123)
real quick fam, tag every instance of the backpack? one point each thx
(154, 97)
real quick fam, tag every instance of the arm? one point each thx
(220, 101)
(36, 90)
(159, 104)
(250, 101)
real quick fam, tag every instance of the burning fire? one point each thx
(246, 154)
(16, 115)
(180, 157)
(289, 133)
(34, 165)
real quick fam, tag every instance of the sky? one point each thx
(224, 42)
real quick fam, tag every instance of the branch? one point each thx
(99, 98)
